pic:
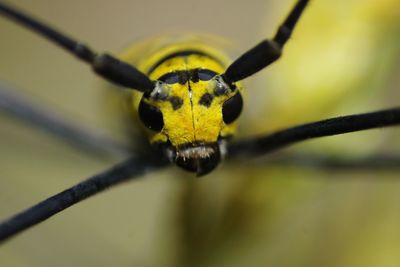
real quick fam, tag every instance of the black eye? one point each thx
(151, 116)
(232, 108)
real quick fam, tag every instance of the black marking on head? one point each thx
(183, 76)
(232, 108)
(205, 74)
(206, 100)
(176, 102)
(184, 53)
(151, 116)
(170, 78)
(194, 76)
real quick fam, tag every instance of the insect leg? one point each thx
(385, 162)
(132, 168)
(339, 125)
(86, 139)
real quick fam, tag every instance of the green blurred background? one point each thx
(344, 58)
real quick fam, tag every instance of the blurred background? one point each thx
(344, 58)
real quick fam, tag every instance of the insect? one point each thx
(196, 168)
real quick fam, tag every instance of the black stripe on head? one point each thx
(182, 76)
(175, 77)
(184, 53)
(205, 74)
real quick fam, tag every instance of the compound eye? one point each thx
(232, 108)
(151, 116)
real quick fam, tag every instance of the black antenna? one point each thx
(266, 52)
(107, 66)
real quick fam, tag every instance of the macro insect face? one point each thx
(292, 212)
(192, 111)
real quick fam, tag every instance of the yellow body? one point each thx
(192, 122)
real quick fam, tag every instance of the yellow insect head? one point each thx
(191, 111)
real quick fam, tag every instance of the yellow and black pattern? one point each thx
(191, 106)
